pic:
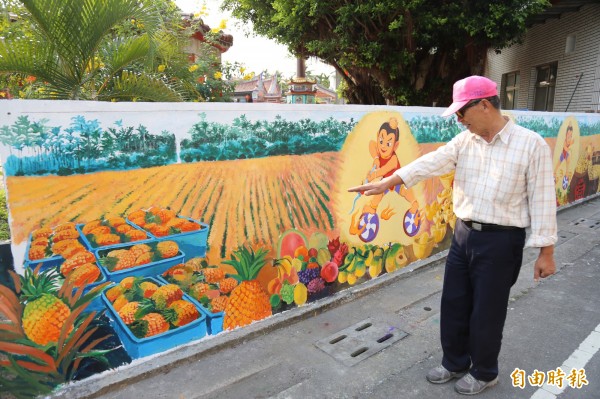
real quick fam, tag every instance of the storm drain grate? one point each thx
(564, 236)
(360, 341)
(584, 222)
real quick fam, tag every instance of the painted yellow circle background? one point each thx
(357, 162)
(561, 168)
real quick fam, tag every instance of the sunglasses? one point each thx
(461, 112)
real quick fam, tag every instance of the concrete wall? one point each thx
(270, 177)
(40, 184)
(546, 43)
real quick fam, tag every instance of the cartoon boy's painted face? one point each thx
(386, 144)
(569, 137)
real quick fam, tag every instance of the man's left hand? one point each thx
(544, 265)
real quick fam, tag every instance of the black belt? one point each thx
(488, 226)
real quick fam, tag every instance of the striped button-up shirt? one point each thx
(507, 181)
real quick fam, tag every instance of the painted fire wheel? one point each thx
(371, 222)
(565, 182)
(411, 226)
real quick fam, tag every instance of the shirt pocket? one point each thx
(507, 180)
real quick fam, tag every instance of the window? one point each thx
(545, 85)
(570, 45)
(510, 94)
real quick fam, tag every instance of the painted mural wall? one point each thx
(139, 227)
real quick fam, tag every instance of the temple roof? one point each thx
(297, 79)
(269, 85)
(223, 40)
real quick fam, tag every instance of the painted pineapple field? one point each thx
(137, 228)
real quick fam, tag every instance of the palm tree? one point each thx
(72, 48)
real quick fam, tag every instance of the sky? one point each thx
(256, 52)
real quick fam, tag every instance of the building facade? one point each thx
(557, 66)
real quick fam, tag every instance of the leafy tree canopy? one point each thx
(404, 52)
(118, 50)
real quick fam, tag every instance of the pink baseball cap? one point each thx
(468, 89)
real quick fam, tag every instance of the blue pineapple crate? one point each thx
(214, 321)
(47, 263)
(192, 243)
(90, 246)
(142, 347)
(147, 270)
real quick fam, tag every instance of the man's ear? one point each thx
(396, 144)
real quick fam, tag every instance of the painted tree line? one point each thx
(82, 147)
(244, 138)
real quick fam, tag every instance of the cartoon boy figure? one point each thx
(385, 163)
(564, 157)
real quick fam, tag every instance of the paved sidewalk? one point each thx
(283, 356)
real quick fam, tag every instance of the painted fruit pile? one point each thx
(138, 255)
(162, 222)
(111, 231)
(207, 284)
(45, 241)
(149, 309)
(310, 269)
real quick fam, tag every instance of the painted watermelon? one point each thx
(289, 241)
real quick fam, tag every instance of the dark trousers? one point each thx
(480, 269)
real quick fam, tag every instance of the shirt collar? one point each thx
(503, 135)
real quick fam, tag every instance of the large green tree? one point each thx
(87, 49)
(405, 52)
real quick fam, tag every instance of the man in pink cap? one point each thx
(503, 183)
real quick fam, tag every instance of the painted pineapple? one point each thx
(197, 264)
(198, 290)
(87, 273)
(37, 252)
(115, 221)
(75, 261)
(227, 285)
(41, 232)
(167, 249)
(72, 249)
(143, 259)
(213, 274)
(148, 288)
(89, 226)
(44, 314)
(114, 292)
(127, 312)
(149, 325)
(140, 249)
(248, 301)
(219, 304)
(140, 213)
(181, 312)
(63, 246)
(120, 260)
(165, 295)
(135, 235)
(107, 239)
(123, 228)
(68, 234)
